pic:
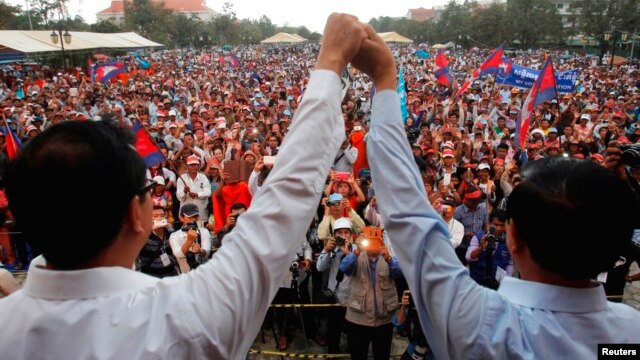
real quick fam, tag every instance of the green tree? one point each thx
(105, 27)
(534, 22)
(595, 17)
(7, 13)
(148, 19)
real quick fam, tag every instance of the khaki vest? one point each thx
(360, 305)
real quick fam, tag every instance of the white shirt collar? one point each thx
(553, 298)
(81, 284)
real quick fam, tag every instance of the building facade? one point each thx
(199, 8)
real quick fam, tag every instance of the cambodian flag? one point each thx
(13, 143)
(544, 89)
(490, 66)
(146, 148)
(505, 67)
(442, 73)
(233, 60)
(106, 71)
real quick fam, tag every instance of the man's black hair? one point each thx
(71, 187)
(499, 214)
(575, 216)
(238, 206)
(503, 146)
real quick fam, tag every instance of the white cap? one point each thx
(159, 180)
(172, 113)
(342, 223)
(585, 116)
(484, 166)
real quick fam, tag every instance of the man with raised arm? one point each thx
(556, 310)
(81, 300)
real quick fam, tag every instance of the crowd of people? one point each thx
(205, 113)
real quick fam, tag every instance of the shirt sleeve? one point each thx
(253, 182)
(324, 261)
(458, 233)
(180, 190)
(176, 245)
(474, 244)
(454, 320)
(245, 274)
(351, 154)
(206, 240)
(323, 228)
(349, 264)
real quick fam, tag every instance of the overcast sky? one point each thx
(311, 14)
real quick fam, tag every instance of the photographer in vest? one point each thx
(335, 249)
(373, 298)
(488, 255)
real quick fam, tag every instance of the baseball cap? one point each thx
(585, 116)
(193, 159)
(447, 153)
(342, 223)
(159, 180)
(484, 166)
(189, 210)
(335, 198)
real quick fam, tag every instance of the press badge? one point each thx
(165, 259)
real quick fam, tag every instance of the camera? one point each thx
(192, 260)
(492, 238)
(333, 203)
(189, 226)
(630, 154)
(340, 241)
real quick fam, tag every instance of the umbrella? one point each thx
(423, 54)
(619, 60)
(438, 46)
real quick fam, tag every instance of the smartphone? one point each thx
(447, 179)
(342, 176)
(269, 160)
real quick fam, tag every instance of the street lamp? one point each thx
(613, 32)
(58, 36)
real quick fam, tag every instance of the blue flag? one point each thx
(402, 94)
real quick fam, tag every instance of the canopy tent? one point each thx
(394, 37)
(283, 38)
(40, 41)
(438, 46)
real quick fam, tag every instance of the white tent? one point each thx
(40, 41)
(283, 38)
(394, 37)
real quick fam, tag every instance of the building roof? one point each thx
(117, 6)
(422, 14)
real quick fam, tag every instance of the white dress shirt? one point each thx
(213, 312)
(177, 239)
(456, 231)
(461, 319)
(201, 186)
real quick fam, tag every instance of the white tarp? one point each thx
(40, 41)
(394, 37)
(283, 38)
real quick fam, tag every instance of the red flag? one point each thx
(13, 143)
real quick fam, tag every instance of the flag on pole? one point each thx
(106, 71)
(233, 60)
(12, 141)
(544, 89)
(145, 146)
(402, 93)
(442, 73)
(490, 66)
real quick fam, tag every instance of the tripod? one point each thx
(294, 299)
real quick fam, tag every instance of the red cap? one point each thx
(447, 153)
(597, 157)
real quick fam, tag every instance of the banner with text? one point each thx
(524, 77)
